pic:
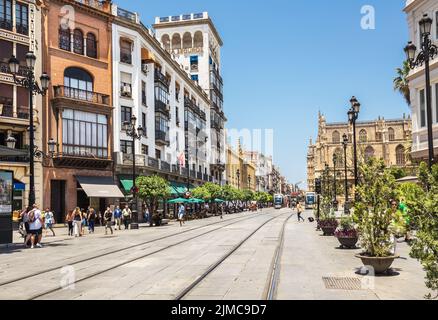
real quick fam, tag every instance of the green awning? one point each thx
(127, 185)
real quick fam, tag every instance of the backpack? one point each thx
(32, 216)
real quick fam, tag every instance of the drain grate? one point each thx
(339, 283)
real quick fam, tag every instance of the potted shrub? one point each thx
(374, 216)
(327, 221)
(347, 233)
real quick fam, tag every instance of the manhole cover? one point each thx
(342, 283)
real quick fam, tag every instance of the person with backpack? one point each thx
(49, 221)
(118, 218)
(36, 226)
(91, 220)
(127, 214)
(108, 216)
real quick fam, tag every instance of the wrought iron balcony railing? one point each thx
(83, 95)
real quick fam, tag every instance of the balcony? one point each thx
(165, 166)
(153, 163)
(7, 110)
(192, 105)
(199, 175)
(4, 68)
(160, 106)
(159, 77)
(162, 138)
(81, 95)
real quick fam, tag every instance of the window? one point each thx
(6, 14)
(145, 149)
(422, 109)
(125, 85)
(187, 40)
(194, 63)
(369, 153)
(161, 123)
(195, 77)
(391, 134)
(165, 40)
(161, 93)
(198, 40)
(143, 93)
(400, 156)
(157, 154)
(143, 123)
(78, 84)
(363, 136)
(126, 147)
(22, 18)
(125, 51)
(176, 41)
(177, 115)
(78, 41)
(379, 137)
(126, 114)
(336, 137)
(64, 39)
(91, 45)
(84, 134)
(177, 91)
(6, 99)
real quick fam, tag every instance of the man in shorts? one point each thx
(36, 226)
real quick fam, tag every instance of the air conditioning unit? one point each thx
(144, 68)
(126, 91)
(168, 108)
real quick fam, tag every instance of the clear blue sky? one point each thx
(283, 60)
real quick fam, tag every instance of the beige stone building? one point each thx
(241, 173)
(386, 139)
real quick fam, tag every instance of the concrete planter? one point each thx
(348, 242)
(328, 230)
(380, 264)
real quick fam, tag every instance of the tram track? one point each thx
(129, 261)
(116, 251)
(186, 291)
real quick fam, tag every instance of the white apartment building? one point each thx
(415, 9)
(264, 168)
(194, 42)
(175, 112)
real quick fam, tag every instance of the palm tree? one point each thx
(401, 82)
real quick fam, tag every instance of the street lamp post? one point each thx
(29, 82)
(249, 183)
(135, 134)
(428, 52)
(353, 115)
(238, 178)
(345, 144)
(335, 200)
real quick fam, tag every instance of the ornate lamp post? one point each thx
(345, 144)
(29, 82)
(135, 133)
(428, 52)
(353, 115)
(335, 200)
(249, 182)
(238, 178)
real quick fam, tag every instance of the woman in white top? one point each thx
(49, 221)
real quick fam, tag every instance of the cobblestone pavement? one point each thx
(159, 263)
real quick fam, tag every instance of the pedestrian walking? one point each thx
(299, 211)
(118, 218)
(84, 221)
(77, 221)
(127, 214)
(181, 215)
(146, 215)
(91, 220)
(221, 209)
(36, 226)
(108, 216)
(24, 216)
(69, 218)
(49, 221)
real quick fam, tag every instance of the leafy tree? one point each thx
(423, 208)
(373, 210)
(247, 195)
(202, 193)
(397, 172)
(151, 189)
(214, 190)
(401, 82)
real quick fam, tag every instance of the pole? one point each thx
(318, 210)
(134, 223)
(356, 180)
(346, 179)
(334, 186)
(428, 104)
(32, 141)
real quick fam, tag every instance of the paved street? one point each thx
(161, 263)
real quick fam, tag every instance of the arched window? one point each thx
(187, 40)
(339, 157)
(391, 134)
(369, 153)
(64, 39)
(78, 42)
(336, 137)
(176, 41)
(165, 40)
(400, 156)
(78, 84)
(91, 45)
(198, 39)
(363, 136)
